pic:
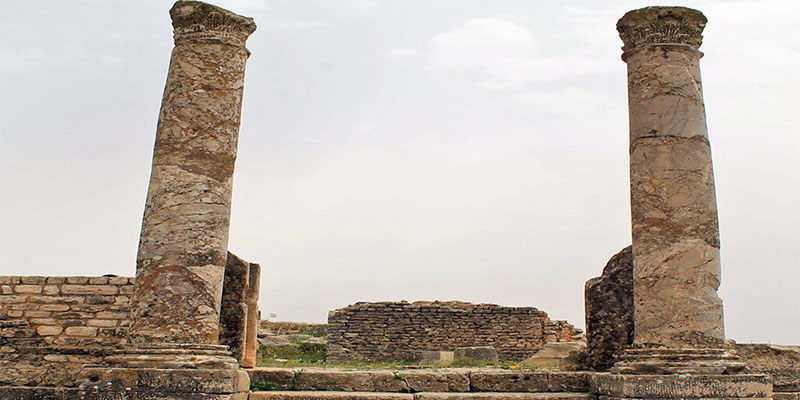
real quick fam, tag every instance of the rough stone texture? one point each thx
(682, 386)
(673, 203)
(459, 380)
(184, 238)
(782, 363)
(609, 311)
(329, 396)
(504, 396)
(396, 331)
(479, 353)
(46, 337)
(233, 312)
(251, 343)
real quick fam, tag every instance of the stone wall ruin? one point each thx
(397, 331)
(50, 327)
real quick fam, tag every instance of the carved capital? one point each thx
(661, 25)
(202, 20)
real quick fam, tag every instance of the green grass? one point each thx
(303, 352)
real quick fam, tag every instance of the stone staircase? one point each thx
(439, 384)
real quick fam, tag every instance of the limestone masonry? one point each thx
(396, 331)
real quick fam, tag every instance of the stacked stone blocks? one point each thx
(397, 331)
(74, 310)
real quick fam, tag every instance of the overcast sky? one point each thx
(389, 150)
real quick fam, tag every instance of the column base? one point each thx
(660, 361)
(166, 371)
(654, 387)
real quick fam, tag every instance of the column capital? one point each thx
(195, 19)
(661, 25)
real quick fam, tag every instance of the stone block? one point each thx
(98, 280)
(33, 280)
(425, 381)
(479, 353)
(489, 381)
(568, 381)
(117, 280)
(28, 289)
(389, 381)
(77, 280)
(682, 386)
(329, 396)
(83, 331)
(144, 381)
(13, 299)
(786, 396)
(233, 311)
(49, 330)
(503, 396)
(333, 380)
(608, 302)
(88, 289)
(279, 378)
(434, 356)
(52, 290)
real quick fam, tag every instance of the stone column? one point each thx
(678, 326)
(184, 238)
(673, 204)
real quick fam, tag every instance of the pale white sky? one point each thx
(417, 150)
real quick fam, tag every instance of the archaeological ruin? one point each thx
(185, 326)
(399, 331)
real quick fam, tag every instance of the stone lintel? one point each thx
(649, 26)
(682, 386)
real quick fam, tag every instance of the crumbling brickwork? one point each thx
(396, 331)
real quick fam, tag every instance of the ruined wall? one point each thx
(395, 331)
(51, 326)
(74, 310)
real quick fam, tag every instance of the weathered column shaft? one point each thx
(251, 328)
(673, 203)
(184, 238)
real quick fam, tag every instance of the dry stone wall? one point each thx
(397, 331)
(72, 310)
(51, 326)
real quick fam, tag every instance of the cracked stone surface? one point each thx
(673, 202)
(184, 237)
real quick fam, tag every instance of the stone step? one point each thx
(317, 395)
(417, 381)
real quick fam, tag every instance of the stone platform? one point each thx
(416, 396)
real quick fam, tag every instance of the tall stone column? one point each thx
(676, 262)
(673, 204)
(172, 351)
(184, 238)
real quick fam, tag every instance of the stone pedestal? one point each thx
(172, 350)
